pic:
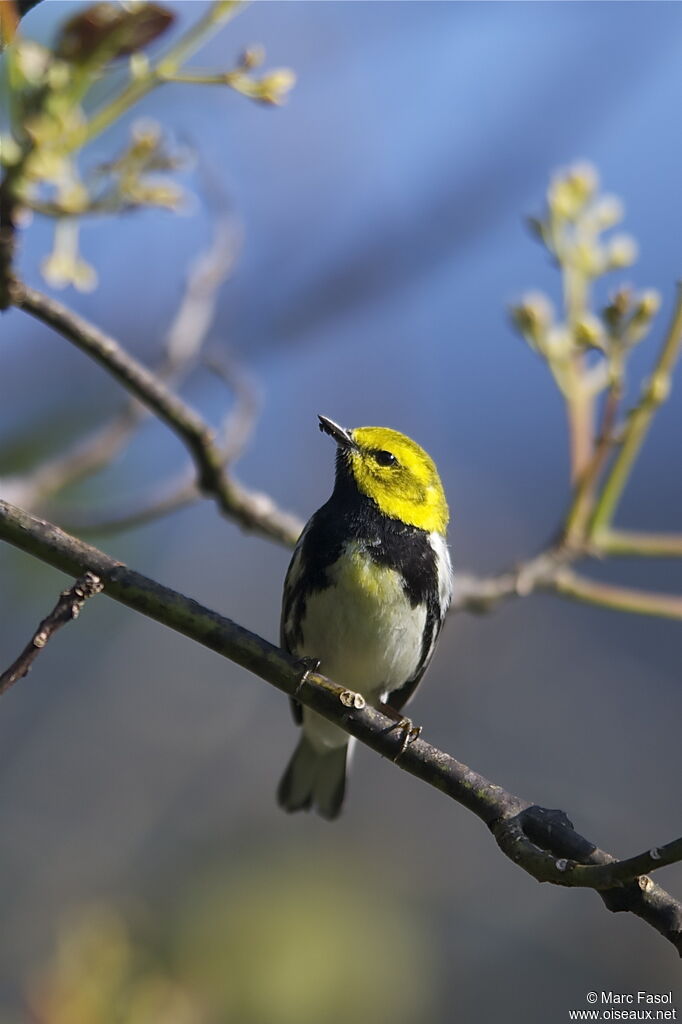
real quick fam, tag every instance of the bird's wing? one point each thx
(398, 698)
(290, 622)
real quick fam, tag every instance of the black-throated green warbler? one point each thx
(366, 593)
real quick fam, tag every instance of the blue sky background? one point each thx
(382, 211)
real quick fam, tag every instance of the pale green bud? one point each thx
(648, 304)
(146, 133)
(618, 307)
(533, 317)
(607, 212)
(589, 257)
(84, 277)
(10, 150)
(32, 61)
(138, 65)
(589, 332)
(253, 57)
(558, 344)
(571, 191)
(61, 269)
(275, 86)
(622, 252)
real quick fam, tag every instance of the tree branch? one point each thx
(258, 512)
(252, 510)
(529, 835)
(67, 609)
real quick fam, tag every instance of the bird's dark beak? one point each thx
(341, 436)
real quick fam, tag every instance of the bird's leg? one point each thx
(410, 732)
(308, 665)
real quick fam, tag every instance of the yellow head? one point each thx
(394, 472)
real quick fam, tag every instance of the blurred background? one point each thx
(145, 869)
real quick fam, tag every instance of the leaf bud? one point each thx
(621, 252)
(571, 191)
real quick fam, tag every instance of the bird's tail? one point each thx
(314, 779)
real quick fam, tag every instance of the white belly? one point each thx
(365, 632)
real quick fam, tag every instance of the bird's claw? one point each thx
(308, 665)
(409, 732)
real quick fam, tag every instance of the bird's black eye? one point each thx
(385, 458)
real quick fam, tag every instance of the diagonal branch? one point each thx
(181, 490)
(543, 843)
(84, 458)
(67, 609)
(251, 509)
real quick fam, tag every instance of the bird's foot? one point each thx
(410, 732)
(308, 665)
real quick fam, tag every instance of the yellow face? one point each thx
(399, 476)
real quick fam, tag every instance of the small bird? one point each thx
(365, 595)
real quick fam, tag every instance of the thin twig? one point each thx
(182, 345)
(655, 392)
(252, 510)
(86, 456)
(67, 609)
(239, 423)
(196, 312)
(218, 13)
(638, 543)
(170, 497)
(625, 599)
(580, 400)
(490, 802)
(580, 404)
(481, 594)
(182, 490)
(578, 514)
